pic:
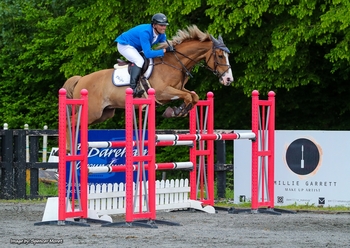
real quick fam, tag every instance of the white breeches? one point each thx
(131, 54)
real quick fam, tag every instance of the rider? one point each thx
(142, 38)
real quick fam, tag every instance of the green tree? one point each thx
(33, 34)
(297, 48)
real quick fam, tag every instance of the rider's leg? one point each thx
(134, 79)
(131, 54)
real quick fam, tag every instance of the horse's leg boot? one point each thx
(134, 79)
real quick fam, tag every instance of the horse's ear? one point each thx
(215, 41)
(220, 39)
(219, 43)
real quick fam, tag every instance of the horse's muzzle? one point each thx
(226, 81)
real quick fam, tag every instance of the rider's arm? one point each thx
(145, 41)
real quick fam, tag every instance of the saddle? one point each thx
(144, 68)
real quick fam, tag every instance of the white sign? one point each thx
(53, 158)
(311, 167)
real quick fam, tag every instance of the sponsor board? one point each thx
(103, 156)
(311, 167)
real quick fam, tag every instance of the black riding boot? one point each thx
(134, 79)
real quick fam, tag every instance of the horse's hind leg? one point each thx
(106, 114)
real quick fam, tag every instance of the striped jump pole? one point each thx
(158, 166)
(204, 184)
(207, 136)
(115, 144)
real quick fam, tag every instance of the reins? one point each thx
(188, 73)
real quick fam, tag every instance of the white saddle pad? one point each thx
(121, 76)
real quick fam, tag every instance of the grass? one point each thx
(27, 201)
(48, 189)
(45, 189)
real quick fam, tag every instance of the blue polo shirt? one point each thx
(141, 38)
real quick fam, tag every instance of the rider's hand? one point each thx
(170, 49)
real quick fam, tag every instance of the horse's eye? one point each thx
(221, 56)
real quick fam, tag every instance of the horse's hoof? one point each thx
(168, 113)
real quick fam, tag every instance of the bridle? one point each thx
(216, 63)
(188, 71)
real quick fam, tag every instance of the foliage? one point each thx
(279, 42)
(299, 49)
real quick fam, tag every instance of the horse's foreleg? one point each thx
(190, 100)
(181, 111)
(175, 111)
(184, 109)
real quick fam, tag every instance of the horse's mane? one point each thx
(191, 33)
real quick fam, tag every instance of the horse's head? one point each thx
(218, 61)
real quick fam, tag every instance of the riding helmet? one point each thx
(159, 18)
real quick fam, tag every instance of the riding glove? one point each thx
(170, 49)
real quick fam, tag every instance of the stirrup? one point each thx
(138, 93)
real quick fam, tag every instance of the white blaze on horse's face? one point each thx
(227, 78)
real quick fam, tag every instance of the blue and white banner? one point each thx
(104, 156)
(107, 156)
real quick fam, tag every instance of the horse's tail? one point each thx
(70, 84)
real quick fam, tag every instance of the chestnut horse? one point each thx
(169, 76)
